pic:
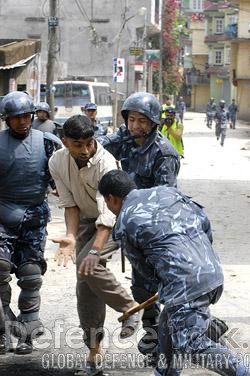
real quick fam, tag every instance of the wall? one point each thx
(200, 97)
(243, 100)
(243, 63)
(198, 35)
(244, 19)
(78, 53)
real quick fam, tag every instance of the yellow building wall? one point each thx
(198, 45)
(243, 62)
(200, 97)
(243, 99)
(244, 19)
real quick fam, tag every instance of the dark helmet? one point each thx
(144, 103)
(170, 110)
(43, 106)
(16, 103)
(90, 106)
(222, 103)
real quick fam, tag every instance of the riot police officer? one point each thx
(90, 110)
(43, 122)
(150, 160)
(221, 118)
(24, 214)
(167, 238)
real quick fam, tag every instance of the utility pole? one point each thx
(145, 73)
(115, 106)
(161, 52)
(52, 51)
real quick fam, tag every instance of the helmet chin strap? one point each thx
(148, 134)
(144, 134)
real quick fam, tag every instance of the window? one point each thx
(218, 57)
(219, 26)
(71, 94)
(102, 95)
(196, 5)
(227, 55)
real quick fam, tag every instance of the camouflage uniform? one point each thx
(221, 118)
(232, 109)
(154, 163)
(166, 237)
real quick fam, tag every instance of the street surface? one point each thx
(217, 177)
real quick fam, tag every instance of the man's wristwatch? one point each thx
(94, 252)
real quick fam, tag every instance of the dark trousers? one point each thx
(140, 294)
(220, 133)
(96, 291)
(183, 340)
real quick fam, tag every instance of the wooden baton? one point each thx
(137, 308)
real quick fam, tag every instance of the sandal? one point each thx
(90, 370)
(130, 325)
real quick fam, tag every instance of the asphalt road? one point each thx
(217, 177)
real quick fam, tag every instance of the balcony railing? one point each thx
(197, 78)
(231, 31)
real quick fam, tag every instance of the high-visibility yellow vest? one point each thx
(177, 144)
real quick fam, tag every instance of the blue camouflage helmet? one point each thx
(144, 103)
(42, 106)
(17, 103)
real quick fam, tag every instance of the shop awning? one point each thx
(20, 63)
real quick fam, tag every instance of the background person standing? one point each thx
(43, 122)
(90, 110)
(180, 110)
(233, 109)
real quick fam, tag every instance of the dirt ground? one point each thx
(217, 177)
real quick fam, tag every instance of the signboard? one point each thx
(118, 69)
(136, 51)
(152, 58)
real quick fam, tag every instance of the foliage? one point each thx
(173, 27)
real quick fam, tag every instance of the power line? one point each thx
(95, 38)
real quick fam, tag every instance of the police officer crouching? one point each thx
(24, 214)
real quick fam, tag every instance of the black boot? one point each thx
(24, 346)
(3, 344)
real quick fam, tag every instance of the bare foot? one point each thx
(96, 355)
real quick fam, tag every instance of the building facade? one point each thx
(220, 17)
(240, 66)
(90, 34)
